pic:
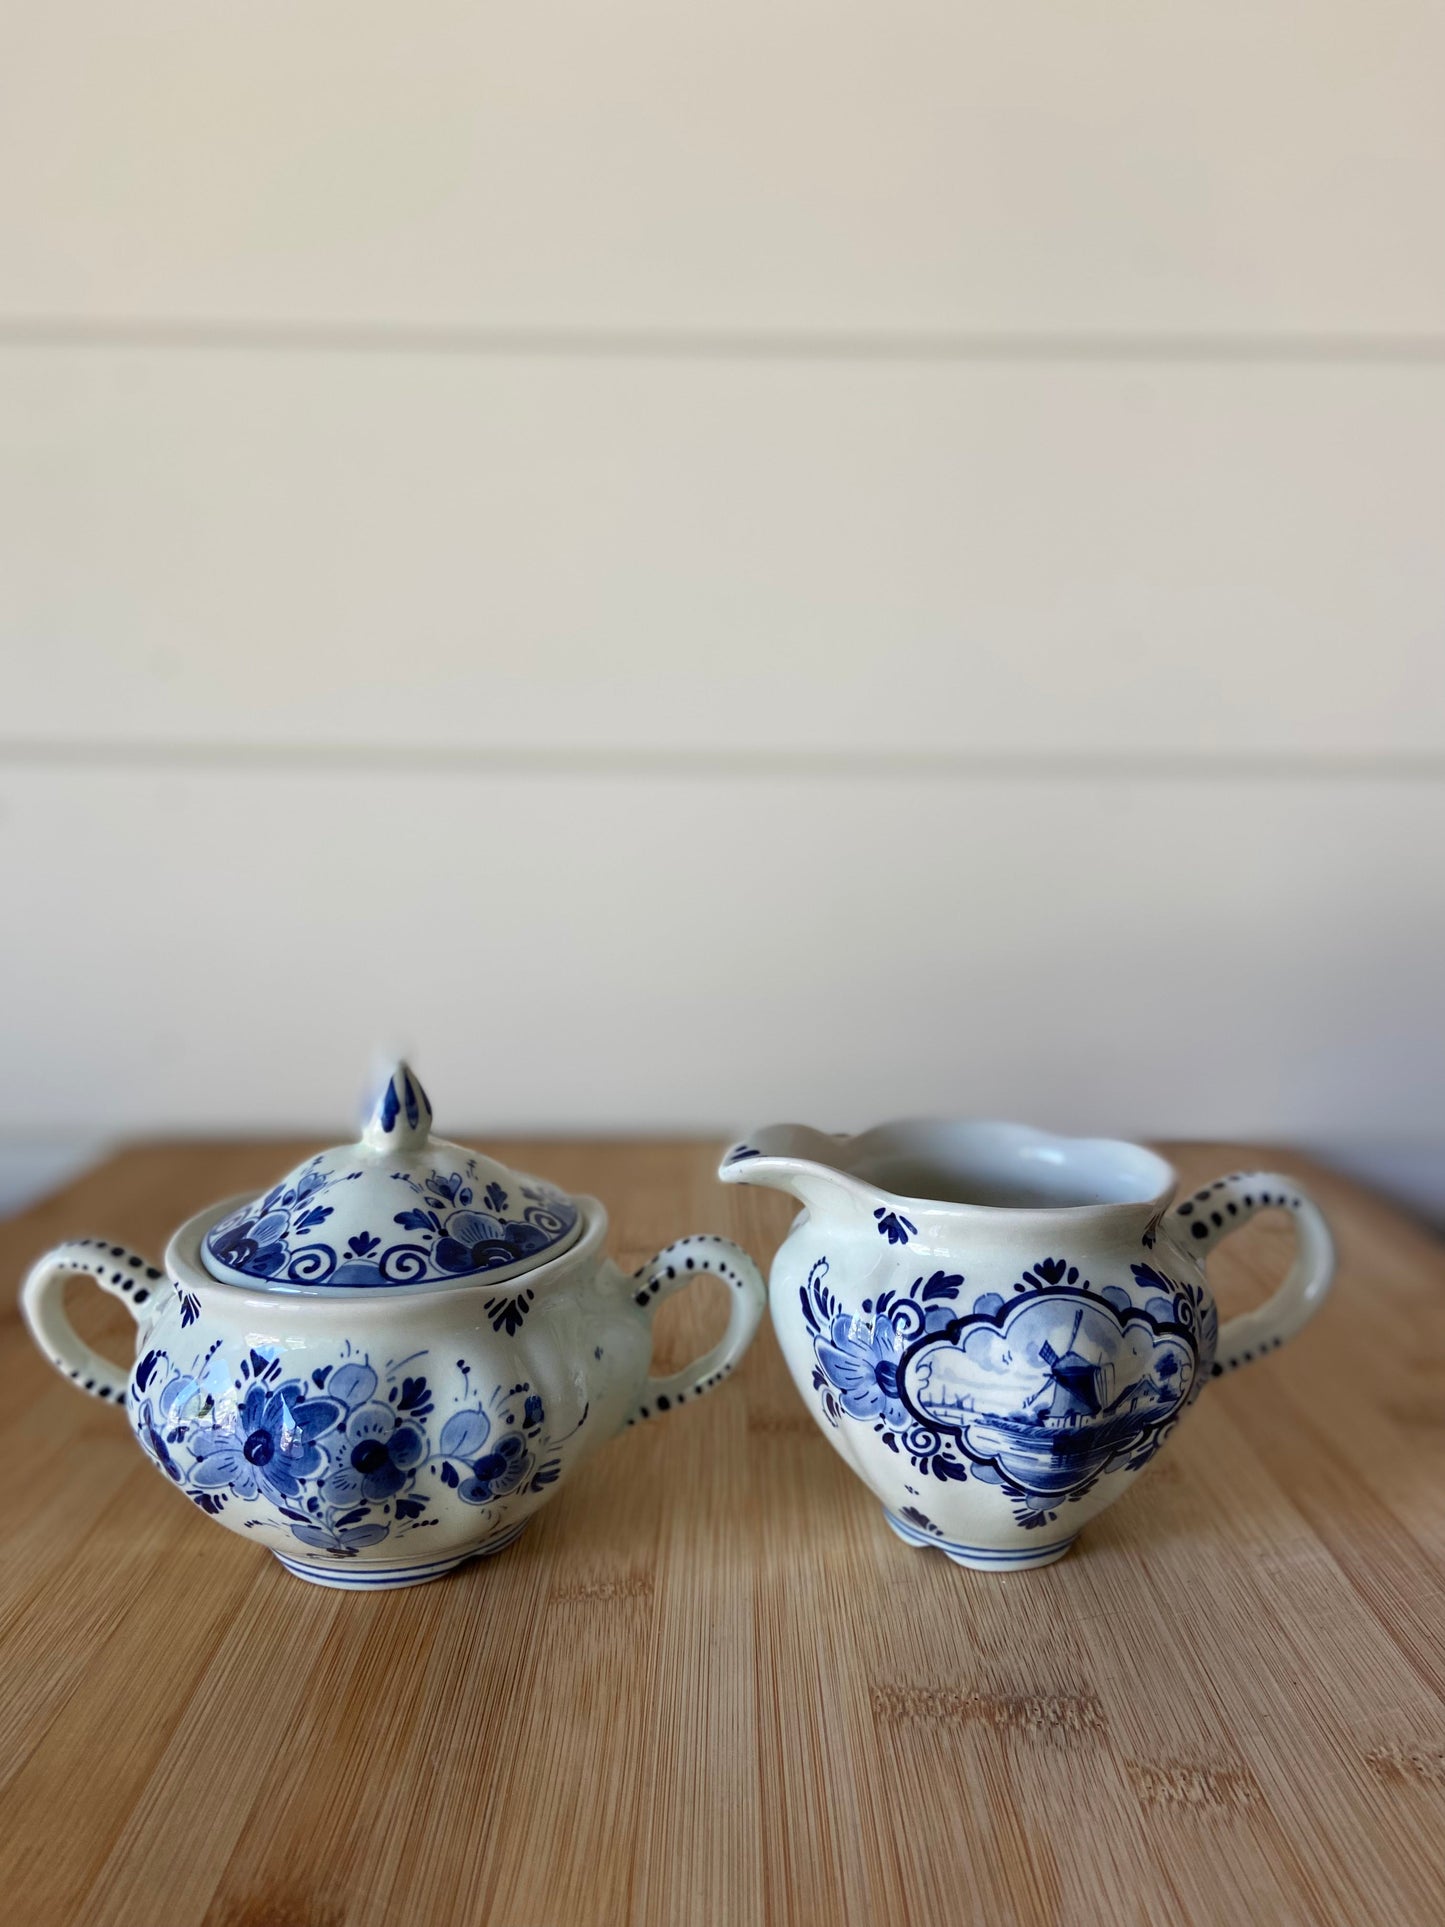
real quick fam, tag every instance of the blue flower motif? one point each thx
(859, 1358)
(492, 1474)
(267, 1446)
(256, 1245)
(475, 1241)
(374, 1458)
(498, 1472)
(183, 1398)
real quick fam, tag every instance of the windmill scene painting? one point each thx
(1052, 1388)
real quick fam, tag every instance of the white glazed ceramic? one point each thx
(998, 1328)
(388, 1363)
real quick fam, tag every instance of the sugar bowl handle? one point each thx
(1212, 1213)
(670, 1271)
(122, 1273)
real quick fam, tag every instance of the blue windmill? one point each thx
(1076, 1387)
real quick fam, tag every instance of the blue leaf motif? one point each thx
(942, 1285)
(464, 1435)
(352, 1384)
(359, 1536)
(894, 1226)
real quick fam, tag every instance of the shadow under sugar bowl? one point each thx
(998, 1328)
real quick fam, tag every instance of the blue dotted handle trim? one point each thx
(124, 1274)
(1223, 1206)
(671, 1271)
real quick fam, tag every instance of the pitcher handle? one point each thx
(122, 1273)
(670, 1271)
(1223, 1206)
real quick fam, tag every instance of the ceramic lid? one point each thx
(400, 1209)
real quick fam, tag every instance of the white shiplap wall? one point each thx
(712, 563)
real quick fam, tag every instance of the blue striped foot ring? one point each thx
(353, 1576)
(982, 1558)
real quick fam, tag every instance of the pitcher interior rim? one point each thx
(1141, 1177)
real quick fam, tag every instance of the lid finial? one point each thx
(400, 1119)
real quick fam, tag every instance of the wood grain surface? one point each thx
(710, 1685)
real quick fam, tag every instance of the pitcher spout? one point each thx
(787, 1157)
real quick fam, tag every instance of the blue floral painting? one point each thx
(266, 1446)
(859, 1358)
(345, 1457)
(480, 1466)
(447, 1232)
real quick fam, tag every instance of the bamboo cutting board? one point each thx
(709, 1685)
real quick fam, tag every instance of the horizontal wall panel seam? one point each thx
(667, 344)
(645, 761)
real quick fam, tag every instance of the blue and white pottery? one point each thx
(998, 1328)
(391, 1360)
